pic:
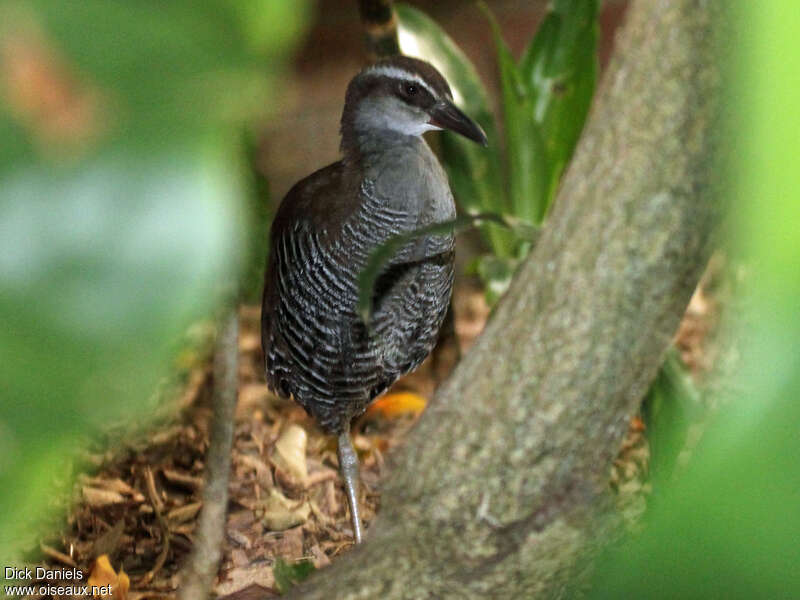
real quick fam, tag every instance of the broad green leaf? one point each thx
(527, 161)
(476, 173)
(559, 71)
(259, 214)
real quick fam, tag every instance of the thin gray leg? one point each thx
(348, 467)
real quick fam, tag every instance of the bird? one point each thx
(318, 350)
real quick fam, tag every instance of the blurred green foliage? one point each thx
(545, 101)
(729, 528)
(670, 408)
(122, 207)
(288, 575)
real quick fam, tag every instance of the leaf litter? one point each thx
(287, 513)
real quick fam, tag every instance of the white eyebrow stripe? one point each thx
(398, 73)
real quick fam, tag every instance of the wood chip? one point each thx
(321, 476)
(97, 498)
(239, 557)
(57, 556)
(240, 538)
(184, 513)
(114, 485)
(109, 541)
(252, 396)
(318, 557)
(251, 592)
(183, 479)
(263, 473)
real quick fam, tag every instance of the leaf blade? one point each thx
(559, 69)
(475, 173)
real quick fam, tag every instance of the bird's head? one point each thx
(407, 96)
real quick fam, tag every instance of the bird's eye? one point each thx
(411, 89)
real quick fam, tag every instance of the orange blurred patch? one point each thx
(103, 575)
(398, 404)
(43, 93)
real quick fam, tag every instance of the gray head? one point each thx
(406, 96)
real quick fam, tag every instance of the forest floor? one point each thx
(287, 509)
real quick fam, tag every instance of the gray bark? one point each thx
(502, 489)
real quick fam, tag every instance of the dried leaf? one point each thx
(251, 397)
(320, 558)
(184, 513)
(264, 475)
(280, 513)
(289, 545)
(182, 479)
(239, 579)
(394, 405)
(114, 485)
(97, 498)
(290, 453)
(103, 575)
(251, 592)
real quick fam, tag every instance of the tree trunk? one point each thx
(502, 488)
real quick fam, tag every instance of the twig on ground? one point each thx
(200, 570)
(57, 556)
(166, 536)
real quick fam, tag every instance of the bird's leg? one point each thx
(348, 467)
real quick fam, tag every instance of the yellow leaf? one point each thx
(104, 576)
(400, 403)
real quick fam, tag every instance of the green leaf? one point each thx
(670, 408)
(476, 173)
(559, 72)
(527, 160)
(288, 575)
(496, 273)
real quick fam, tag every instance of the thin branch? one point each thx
(198, 574)
(166, 535)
